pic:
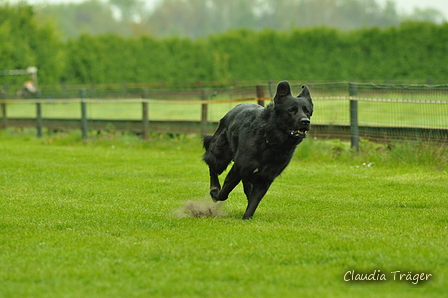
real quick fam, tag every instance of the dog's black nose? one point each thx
(305, 121)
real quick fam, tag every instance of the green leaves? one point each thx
(412, 51)
(25, 42)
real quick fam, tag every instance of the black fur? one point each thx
(260, 141)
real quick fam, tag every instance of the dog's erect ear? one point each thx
(283, 89)
(305, 93)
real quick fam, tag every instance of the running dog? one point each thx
(260, 142)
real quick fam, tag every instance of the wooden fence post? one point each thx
(271, 92)
(83, 95)
(354, 129)
(260, 95)
(145, 115)
(4, 116)
(39, 119)
(204, 111)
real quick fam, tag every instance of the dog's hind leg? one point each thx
(232, 180)
(216, 167)
(217, 156)
(215, 186)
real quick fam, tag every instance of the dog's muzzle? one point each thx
(301, 132)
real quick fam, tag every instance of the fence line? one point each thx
(328, 99)
(213, 101)
(135, 100)
(392, 100)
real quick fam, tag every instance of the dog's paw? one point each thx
(214, 192)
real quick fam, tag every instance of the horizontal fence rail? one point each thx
(347, 111)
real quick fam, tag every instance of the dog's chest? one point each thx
(272, 162)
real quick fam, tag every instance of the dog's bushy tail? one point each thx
(206, 140)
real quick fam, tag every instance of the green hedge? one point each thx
(412, 51)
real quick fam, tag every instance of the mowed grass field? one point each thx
(99, 218)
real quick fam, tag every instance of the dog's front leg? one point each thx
(259, 189)
(247, 188)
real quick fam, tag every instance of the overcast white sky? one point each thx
(409, 5)
(402, 5)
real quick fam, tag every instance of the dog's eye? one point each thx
(305, 110)
(293, 110)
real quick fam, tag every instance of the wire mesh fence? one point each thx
(384, 112)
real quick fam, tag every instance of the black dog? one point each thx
(260, 141)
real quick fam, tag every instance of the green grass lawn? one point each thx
(98, 218)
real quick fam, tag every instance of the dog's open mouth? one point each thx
(301, 133)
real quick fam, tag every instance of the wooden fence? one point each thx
(353, 130)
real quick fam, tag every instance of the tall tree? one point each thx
(131, 10)
(26, 42)
(200, 18)
(426, 15)
(90, 16)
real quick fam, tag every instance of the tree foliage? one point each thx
(89, 17)
(26, 42)
(200, 18)
(413, 50)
